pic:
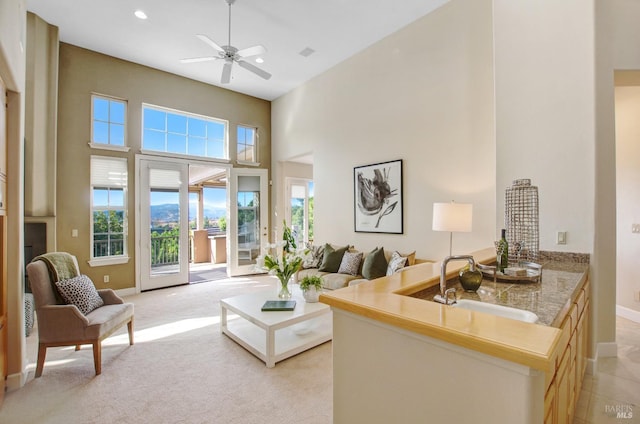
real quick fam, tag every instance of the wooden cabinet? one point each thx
(564, 388)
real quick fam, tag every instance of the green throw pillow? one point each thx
(332, 258)
(375, 264)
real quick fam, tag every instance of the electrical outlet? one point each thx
(561, 237)
(74, 233)
(105, 279)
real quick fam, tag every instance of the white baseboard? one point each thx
(16, 381)
(607, 350)
(628, 313)
(126, 292)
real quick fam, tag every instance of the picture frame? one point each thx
(378, 198)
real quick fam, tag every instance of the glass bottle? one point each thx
(502, 252)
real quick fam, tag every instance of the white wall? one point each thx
(423, 95)
(628, 195)
(12, 72)
(624, 16)
(544, 72)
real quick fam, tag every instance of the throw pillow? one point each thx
(411, 258)
(313, 258)
(396, 263)
(332, 258)
(375, 264)
(81, 292)
(350, 263)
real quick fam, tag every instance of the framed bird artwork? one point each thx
(378, 197)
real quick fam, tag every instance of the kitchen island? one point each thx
(400, 358)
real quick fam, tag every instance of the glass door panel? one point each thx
(164, 224)
(248, 219)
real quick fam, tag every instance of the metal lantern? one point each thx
(521, 220)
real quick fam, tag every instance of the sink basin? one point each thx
(499, 310)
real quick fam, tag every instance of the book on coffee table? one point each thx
(279, 305)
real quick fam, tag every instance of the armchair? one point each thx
(61, 324)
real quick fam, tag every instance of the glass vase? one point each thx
(284, 292)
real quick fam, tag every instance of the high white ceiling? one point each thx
(334, 29)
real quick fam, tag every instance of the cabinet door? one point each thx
(550, 404)
(563, 389)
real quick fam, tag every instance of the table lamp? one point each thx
(452, 217)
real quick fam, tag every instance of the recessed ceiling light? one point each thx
(140, 14)
(259, 60)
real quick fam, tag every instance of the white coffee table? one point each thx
(275, 335)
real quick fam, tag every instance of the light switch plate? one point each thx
(635, 228)
(561, 237)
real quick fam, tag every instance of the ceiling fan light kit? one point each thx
(231, 54)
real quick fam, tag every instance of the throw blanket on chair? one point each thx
(60, 264)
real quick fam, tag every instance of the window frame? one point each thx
(109, 146)
(255, 144)
(109, 259)
(166, 132)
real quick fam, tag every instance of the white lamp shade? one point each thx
(453, 217)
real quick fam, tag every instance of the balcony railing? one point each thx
(165, 250)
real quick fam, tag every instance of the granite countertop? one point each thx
(546, 298)
(392, 300)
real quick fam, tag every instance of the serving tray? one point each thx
(534, 272)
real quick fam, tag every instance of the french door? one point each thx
(248, 215)
(163, 229)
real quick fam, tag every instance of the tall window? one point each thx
(171, 131)
(108, 207)
(108, 120)
(247, 146)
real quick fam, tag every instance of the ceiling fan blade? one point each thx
(251, 51)
(210, 42)
(226, 72)
(198, 59)
(259, 72)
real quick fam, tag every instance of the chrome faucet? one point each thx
(443, 296)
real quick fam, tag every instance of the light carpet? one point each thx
(181, 369)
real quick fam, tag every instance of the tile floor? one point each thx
(612, 394)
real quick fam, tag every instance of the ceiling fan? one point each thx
(231, 54)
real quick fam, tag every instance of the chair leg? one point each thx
(97, 356)
(130, 328)
(77, 347)
(42, 352)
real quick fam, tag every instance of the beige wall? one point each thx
(40, 117)
(84, 72)
(423, 95)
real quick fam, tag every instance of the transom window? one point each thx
(171, 131)
(108, 207)
(247, 146)
(108, 119)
